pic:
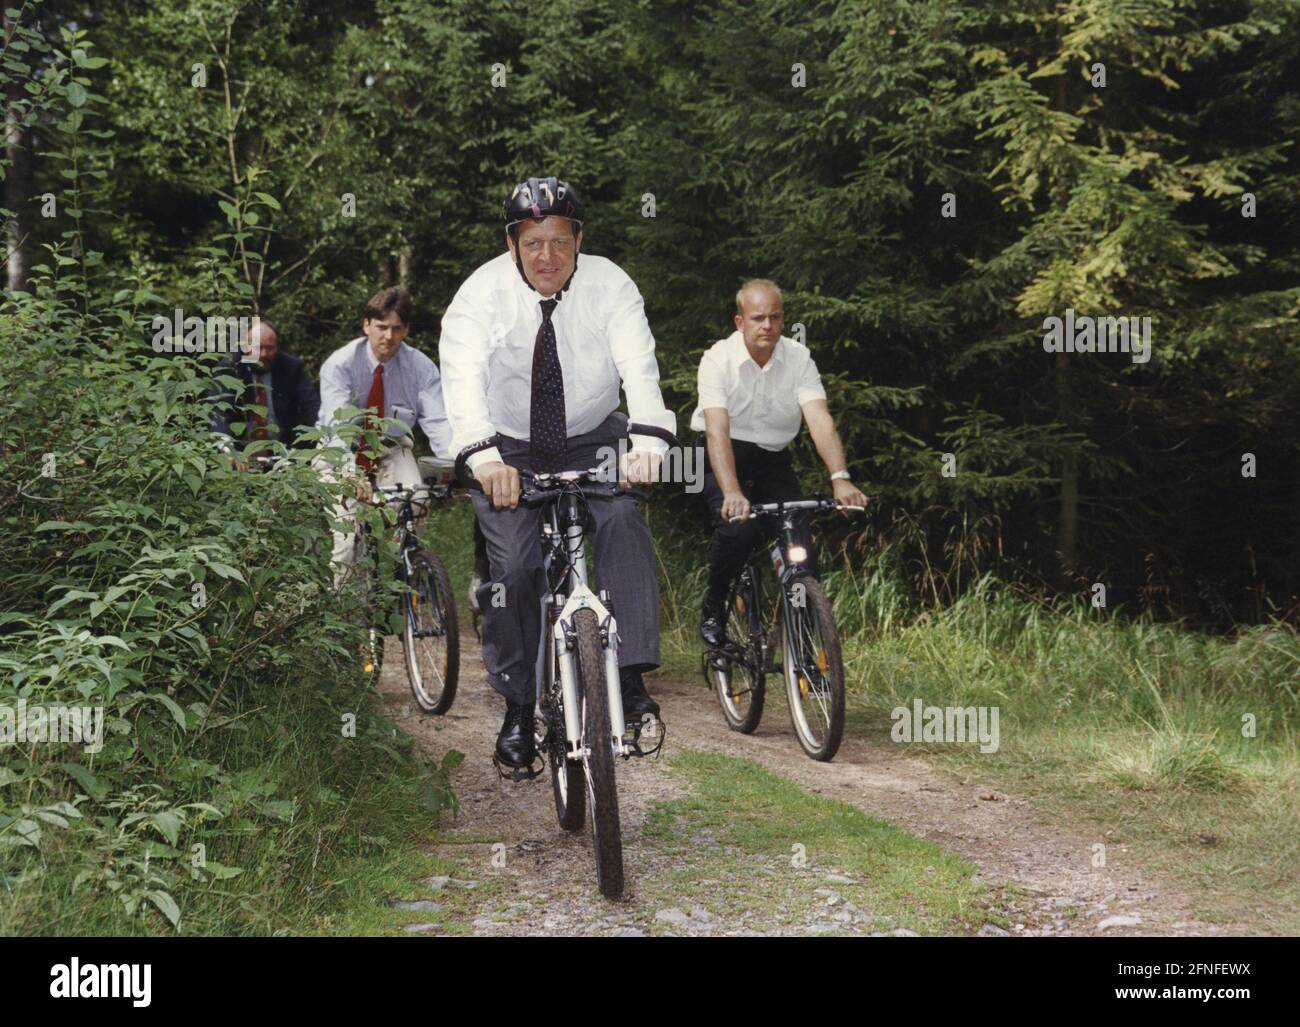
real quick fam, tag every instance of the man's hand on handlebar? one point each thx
(500, 483)
(640, 467)
(734, 506)
(848, 494)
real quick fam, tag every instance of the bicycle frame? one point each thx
(787, 560)
(786, 571)
(405, 539)
(563, 538)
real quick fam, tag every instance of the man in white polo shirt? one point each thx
(755, 386)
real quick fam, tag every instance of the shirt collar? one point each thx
(372, 361)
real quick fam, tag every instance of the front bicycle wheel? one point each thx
(814, 669)
(432, 635)
(598, 743)
(738, 675)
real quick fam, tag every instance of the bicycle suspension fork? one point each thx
(581, 597)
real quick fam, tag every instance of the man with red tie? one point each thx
(275, 400)
(383, 375)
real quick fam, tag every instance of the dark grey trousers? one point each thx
(624, 564)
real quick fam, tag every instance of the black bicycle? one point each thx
(811, 660)
(430, 629)
(580, 723)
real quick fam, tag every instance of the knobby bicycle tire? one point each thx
(744, 629)
(816, 607)
(431, 590)
(597, 736)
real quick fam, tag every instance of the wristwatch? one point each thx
(840, 475)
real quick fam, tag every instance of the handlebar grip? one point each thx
(460, 473)
(653, 431)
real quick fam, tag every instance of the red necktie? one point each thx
(259, 427)
(374, 401)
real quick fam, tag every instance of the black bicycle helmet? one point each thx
(538, 198)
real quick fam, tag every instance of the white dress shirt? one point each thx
(765, 403)
(408, 374)
(488, 333)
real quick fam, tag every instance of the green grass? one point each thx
(1131, 728)
(1137, 731)
(361, 903)
(449, 532)
(749, 841)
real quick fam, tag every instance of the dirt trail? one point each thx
(550, 879)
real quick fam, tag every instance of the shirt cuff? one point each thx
(483, 456)
(649, 444)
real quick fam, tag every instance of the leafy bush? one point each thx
(191, 607)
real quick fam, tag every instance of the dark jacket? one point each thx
(294, 396)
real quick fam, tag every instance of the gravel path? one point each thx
(508, 831)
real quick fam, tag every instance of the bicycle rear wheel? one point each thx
(739, 682)
(814, 671)
(432, 635)
(597, 739)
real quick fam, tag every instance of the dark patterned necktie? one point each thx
(547, 425)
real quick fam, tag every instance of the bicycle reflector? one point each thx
(798, 554)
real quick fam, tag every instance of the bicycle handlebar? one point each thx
(555, 480)
(779, 508)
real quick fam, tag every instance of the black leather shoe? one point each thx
(636, 701)
(515, 745)
(712, 630)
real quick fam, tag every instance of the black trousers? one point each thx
(765, 477)
(624, 563)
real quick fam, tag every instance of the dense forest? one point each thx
(928, 181)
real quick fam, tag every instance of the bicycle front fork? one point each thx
(566, 641)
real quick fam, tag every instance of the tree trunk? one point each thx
(18, 186)
(406, 266)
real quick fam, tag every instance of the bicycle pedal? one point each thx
(712, 660)
(661, 730)
(509, 773)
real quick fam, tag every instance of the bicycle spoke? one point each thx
(736, 671)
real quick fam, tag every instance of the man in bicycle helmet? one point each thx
(535, 347)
